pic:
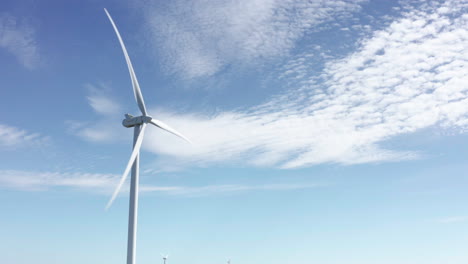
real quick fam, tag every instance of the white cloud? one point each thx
(198, 38)
(224, 189)
(404, 78)
(18, 38)
(15, 137)
(105, 184)
(100, 100)
(108, 128)
(37, 181)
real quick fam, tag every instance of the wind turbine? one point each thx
(164, 258)
(139, 125)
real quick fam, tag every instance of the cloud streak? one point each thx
(18, 38)
(11, 137)
(107, 129)
(226, 189)
(104, 184)
(100, 100)
(41, 181)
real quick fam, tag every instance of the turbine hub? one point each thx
(131, 121)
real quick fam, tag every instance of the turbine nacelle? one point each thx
(131, 121)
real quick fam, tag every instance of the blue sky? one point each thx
(324, 131)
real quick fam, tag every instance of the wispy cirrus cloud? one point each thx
(18, 37)
(107, 128)
(11, 137)
(100, 100)
(405, 77)
(40, 181)
(199, 38)
(100, 183)
(209, 190)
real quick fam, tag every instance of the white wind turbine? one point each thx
(139, 125)
(165, 257)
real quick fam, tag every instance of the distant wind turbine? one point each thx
(165, 257)
(139, 125)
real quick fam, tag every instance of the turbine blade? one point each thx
(135, 152)
(169, 129)
(136, 86)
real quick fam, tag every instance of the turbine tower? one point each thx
(139, 124)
